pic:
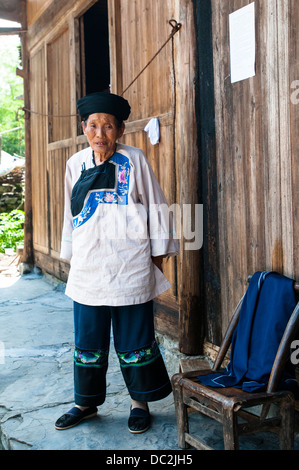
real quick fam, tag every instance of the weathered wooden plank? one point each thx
(294, 125)
(115, 35)
(137, 126)
(60, 144)
(56, 170)
(59, 99)
(53, 18)
(39, 149)
(187, 170)
(208, 193)
(166, 317)
(151, 95)
(35, 8)
(249, 167)
(49, 264)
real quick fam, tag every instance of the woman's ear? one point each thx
(83, 124)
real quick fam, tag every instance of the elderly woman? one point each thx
(115, 237)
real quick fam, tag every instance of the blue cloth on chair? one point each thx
(266, 309)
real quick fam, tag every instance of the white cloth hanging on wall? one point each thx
(153, 129)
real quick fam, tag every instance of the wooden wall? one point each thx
(256, 157)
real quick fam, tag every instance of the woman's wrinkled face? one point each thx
(102, 131)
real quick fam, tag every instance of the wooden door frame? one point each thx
(205, 113)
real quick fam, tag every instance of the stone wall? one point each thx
(12, 190)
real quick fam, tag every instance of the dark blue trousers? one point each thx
(139, 356)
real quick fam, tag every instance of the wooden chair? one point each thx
(227, 405)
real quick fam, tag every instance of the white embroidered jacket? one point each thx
(111, 241)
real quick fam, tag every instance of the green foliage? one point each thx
(11, 96)
(11, 229)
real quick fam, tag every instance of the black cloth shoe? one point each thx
(74, 417)
(139, 420)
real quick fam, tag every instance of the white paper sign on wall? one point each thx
(242, 43)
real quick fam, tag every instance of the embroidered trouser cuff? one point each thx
(146, 380)
(141, 363)
(90, 377)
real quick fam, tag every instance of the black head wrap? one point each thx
(103, 102)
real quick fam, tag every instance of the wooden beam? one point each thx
(114, 18)
(187, 167)
(137, 126)
(28, 257)
(11, 31)
(205, 116)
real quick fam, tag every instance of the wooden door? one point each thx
(137, 30)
